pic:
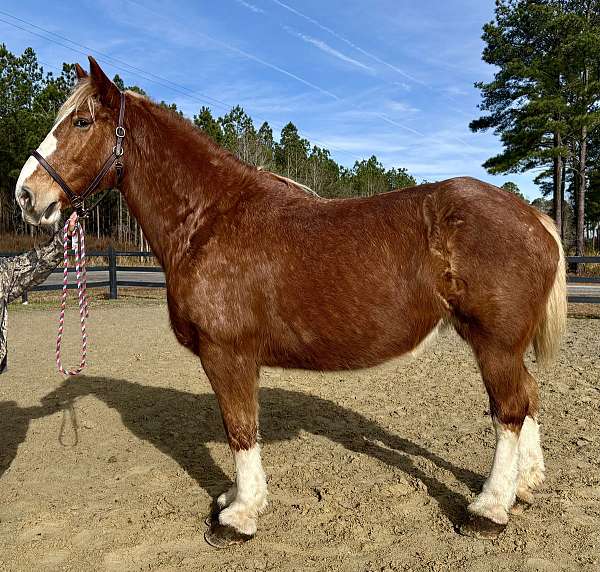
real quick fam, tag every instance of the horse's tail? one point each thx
(546, 341)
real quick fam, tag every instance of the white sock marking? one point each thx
(499, 490)
(531, 459)
(250, 491)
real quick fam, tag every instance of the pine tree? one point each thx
(291, 154)
(205, 121)
(526, 102)
(543, 101)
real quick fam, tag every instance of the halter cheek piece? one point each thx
(115, 158)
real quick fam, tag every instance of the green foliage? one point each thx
(544, 99)
(514, 189)
(525, 101)
(29, 100)
(542, 205)
(205, 121)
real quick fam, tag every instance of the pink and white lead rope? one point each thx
(81, 272)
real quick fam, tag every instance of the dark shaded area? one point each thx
(180, 424)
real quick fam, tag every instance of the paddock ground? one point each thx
(368, 470)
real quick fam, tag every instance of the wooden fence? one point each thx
(112, 269)
(113, 283)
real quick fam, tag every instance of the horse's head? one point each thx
(76, 148)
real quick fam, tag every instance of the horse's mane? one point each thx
(289, 181)
(83, 94)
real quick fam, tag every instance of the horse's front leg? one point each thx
(233, 377)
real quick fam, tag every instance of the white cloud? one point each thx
(325, 47)
(251, 7)
(401, 107)
(347, 41)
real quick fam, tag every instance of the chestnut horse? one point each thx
(261, 273)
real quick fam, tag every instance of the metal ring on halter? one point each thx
(117, 153)
(120, 131)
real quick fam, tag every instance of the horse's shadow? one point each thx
(180, 424)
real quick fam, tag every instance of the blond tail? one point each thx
(551, 329)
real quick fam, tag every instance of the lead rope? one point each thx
(78, 243)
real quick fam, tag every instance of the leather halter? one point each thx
(113, 159)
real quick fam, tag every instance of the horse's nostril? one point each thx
(25, 198)
(50, 210)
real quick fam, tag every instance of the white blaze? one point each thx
(46, 148)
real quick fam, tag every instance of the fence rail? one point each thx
(112, 268)
(113, 283)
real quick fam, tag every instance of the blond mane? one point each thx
(83, 94)
(288, 181)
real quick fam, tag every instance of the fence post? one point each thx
(112, 273)
(25, 297)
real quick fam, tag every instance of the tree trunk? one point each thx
(580, 242)
(564, 218)
(557, 187)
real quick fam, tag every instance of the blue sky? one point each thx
(386, 77)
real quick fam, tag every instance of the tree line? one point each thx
(544, 103)
(30, 99)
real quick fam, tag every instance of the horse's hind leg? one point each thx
(233, 378)
(531, 458)
(506, 381)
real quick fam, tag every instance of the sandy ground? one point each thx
(368, 470)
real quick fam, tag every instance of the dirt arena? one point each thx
(368, 470)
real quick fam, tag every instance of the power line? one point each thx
(112, 59)
(140, 72)
(347, 41)
(191, 94)
(174, 87)
(178, 87)
(281, 70)
(377, 59)
(247, 55)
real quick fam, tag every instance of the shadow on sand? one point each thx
(180, 424)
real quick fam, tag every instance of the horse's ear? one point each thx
(80, 72)
(107, 91)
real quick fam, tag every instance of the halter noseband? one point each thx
(113, 159)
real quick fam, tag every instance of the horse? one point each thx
(261, 273)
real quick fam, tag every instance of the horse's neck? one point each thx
(170, 188)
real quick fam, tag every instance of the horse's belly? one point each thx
(352, 350)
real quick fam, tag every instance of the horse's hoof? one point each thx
(213, 517)
(480, 527)
(520, 507)
(223, 536)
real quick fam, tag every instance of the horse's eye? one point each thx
(81, 123)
